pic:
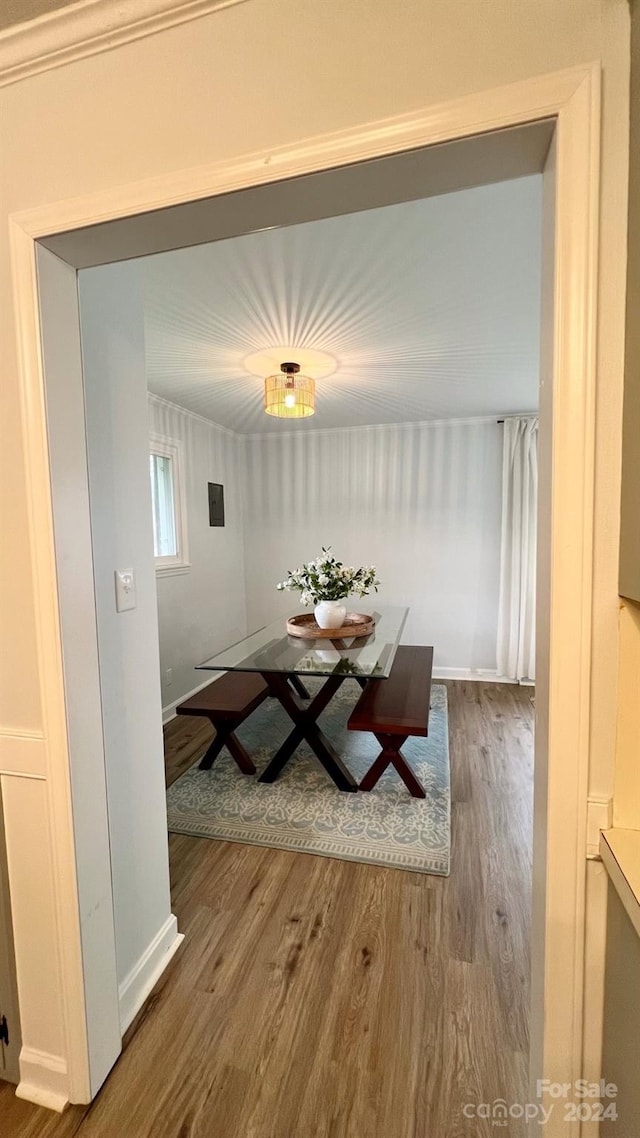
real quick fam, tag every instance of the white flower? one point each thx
(327, 576)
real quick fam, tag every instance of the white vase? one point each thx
(327, 655)
(330, 614)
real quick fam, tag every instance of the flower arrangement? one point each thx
(327, 579)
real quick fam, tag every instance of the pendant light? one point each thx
(289, 395)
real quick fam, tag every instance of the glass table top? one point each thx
(273, 650)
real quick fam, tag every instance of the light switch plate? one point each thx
(125, 590)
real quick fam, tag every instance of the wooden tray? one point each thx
(355, 624)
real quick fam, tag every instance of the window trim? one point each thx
(178, 562)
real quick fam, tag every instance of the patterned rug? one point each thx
(303, 810)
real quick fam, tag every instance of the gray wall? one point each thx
(201, 611)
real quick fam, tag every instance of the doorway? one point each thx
(577, 440)
(388, 478)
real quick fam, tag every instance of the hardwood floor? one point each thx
(324, 998)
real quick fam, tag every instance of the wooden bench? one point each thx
(227, 701)
(393, 709)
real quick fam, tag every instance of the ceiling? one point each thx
(430, 308)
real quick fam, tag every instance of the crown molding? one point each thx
(369, 428)
(161, 402)
(88, 27)
(275, 436)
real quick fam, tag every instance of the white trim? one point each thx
(172, 448)
(76, 592)
(88, 27)
(573, 96)
(172, 570)
(43, 1079)
(599, 817)
(139, 982)
(61, 837)
(571, 581)
(22, 774)
(542, 96)
(594, 975)
(480, 675)
(169, 712)
(416, 425)
(23, 752)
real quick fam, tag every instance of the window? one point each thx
(169, 515)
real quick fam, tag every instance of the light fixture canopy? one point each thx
(289, 395)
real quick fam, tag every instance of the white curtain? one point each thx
(517, 604)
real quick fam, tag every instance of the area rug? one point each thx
(303, 810)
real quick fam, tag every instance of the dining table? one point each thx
(284, 660)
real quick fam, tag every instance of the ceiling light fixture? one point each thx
(289, 395)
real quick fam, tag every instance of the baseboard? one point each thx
(147, 971)
(44, 1079)
(169, 712)
(480, 675)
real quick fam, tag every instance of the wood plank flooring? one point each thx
(316, 998)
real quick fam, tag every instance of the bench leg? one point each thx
(225, 737)
(375, 772)
(390, 756)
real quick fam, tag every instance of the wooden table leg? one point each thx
(306, 727)
(298, 686)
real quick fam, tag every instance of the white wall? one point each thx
(120, 502)
(202, 610)
(420, 501)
